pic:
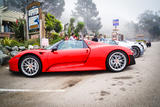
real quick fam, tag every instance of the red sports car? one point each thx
(75, 55)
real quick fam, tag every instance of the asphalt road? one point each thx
(137, 86)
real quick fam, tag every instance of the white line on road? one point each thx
(30, 90)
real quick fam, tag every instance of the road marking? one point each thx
(30, 90)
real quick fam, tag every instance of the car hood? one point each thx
(125, 44)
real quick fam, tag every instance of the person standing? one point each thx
(105, 37)
(95, 39)
(66, 37)
(101, 38)
(72, 37)
(84, 37)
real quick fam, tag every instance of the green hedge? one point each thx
(141, 41)
(10, 42)
(32, 42)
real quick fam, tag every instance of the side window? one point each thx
(71, 44)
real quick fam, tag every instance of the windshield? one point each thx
(54, 45)
(111, 42)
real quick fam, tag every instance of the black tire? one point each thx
(109, 59)
(37, 65)
(136, 51)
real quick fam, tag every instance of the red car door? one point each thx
(69, 52)
(73, 55)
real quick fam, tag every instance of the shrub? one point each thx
(15, 43)
(10, 42)
(53, 41)
(54, 35)
(18, 29)
(32, 42)
(6, 42)
(141, 41)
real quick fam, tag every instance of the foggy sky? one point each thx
(124, 10)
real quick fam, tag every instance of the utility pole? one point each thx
(26, 17)
(0, 23)
(40, 26)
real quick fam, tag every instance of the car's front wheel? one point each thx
(117, 61)
(30, 65)
(136, 51)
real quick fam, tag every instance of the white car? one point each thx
(137, 49)
(143, 45)
(113, 42)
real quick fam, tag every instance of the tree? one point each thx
(65, 27)
(87, 10)
(149, 21)
(58, 26)
(131, 29)
(79, 28)
(17, 4)
(52, 24)
(95, 24)
(55, 7)
(72, 20)
(71, 26)
(18, 29)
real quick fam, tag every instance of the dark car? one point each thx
(148, 43)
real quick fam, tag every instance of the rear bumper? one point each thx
(132, 60)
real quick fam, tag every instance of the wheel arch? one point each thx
(26, 55)
(137, 47)
(128, 59)
(139, 50)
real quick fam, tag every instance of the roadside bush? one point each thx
(10, 42)
(6, 42)
(32, 42)
(55, 35)
(53, 41)
(141, 41)
(16, 43)
(1, 41)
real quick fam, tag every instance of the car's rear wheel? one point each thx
(117, 61)
(136, 51)
(30, 65)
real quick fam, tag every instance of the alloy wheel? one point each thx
(29, 66)
(117, 61)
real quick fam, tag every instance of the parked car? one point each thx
(109, 41)
(136, 47)
(75, 55)
(143, 45)
(113, 42)
(148, 44)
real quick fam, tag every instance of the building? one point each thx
(8, 15)
(117, 36)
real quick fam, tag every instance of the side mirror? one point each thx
(54, 49)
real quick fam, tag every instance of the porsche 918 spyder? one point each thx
(72, 55)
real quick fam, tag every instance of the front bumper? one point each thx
(13, 64)
(142, 52)
(132, 60)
